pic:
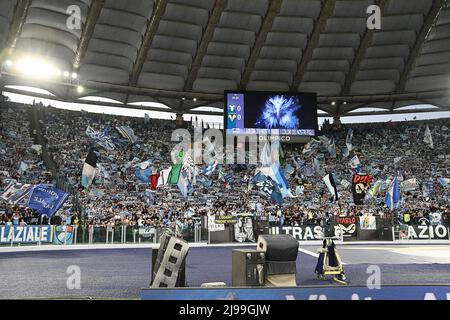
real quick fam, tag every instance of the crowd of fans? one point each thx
(19, 162)
(117, 197)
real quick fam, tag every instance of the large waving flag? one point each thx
(393, 194)
(267, 187)
(16, 192)
(101, 138)
(277, 175)
(89, 169)
(331, 185)
(311, 148)
(428, 139)
(330, 145)
(348, 140)
(164, 176)
(127, 133)
(47, 200)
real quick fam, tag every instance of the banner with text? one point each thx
(26, 234)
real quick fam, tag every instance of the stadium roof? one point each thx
(162, 51)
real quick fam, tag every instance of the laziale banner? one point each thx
(303, 233)
(26, 234)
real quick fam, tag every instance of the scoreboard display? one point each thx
(285, 114)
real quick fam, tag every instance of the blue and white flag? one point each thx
(103, 173)
(277, 174)
(183, 182)
(427, 188)
(190, 167)
(16, 192)
(428, 139)
(46, 200)
(204, 181)
(345, 152)
(311, 148)
(445, 182)
(393, 194)
(101, 138)
(127, 133)
(211, 168)
(348, 140)
(329, 145)
(23, 166)
(267, 187)
(144, 174)
(316, 165)
(266, 155)
(228, 177)
(332, 149)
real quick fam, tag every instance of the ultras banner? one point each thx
(303, 233)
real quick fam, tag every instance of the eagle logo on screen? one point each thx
(279, 112)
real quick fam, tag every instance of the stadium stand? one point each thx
(117, 197)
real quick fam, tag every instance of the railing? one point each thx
(73, 235)
(125, 234)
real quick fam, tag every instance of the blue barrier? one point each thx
(391, 292)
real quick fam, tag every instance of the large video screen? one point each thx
(267, 113)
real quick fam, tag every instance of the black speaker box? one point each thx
(157, 256)
(248, 268)
(280, 247)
